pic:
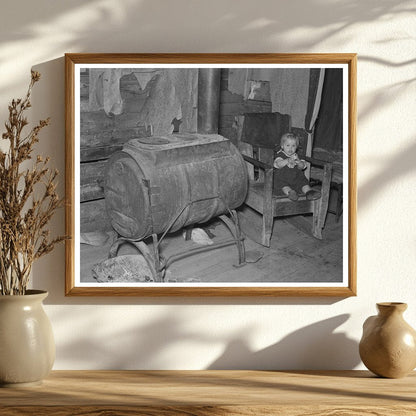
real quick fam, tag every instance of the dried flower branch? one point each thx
(23, 217)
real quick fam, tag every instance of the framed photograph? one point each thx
(211, 174)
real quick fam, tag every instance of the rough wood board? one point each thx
(90, 176)
(245, 107)
(213, 393)
(93, 216)
(99, 152)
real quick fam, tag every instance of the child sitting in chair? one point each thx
(288, 177)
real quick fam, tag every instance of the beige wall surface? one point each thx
(200, 333)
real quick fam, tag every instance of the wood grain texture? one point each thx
(258, 410)
(203, 393)
(352, 174)
(71, 60)
(244, 58)
(69, 174)
(163, 291)
(93, 217)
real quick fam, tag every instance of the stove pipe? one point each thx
(208, 100)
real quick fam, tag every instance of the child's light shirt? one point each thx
(282, 155)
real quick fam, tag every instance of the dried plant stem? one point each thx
(23, 217)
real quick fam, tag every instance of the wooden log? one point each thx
(90, 172)
(128, 120)
(98, 138)
(126, 134)
(111, 137)
(91, 175)
(93, 216)
(103, 145)
(91, 192)
(99, 152)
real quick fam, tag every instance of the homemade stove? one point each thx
(158, 185)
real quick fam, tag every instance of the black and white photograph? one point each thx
(210, 178)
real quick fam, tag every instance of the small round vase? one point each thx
(388, 345)
(27, 347)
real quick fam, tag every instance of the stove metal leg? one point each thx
(144, 250)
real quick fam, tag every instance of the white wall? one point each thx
(198, 333)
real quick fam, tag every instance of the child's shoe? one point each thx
(312, 195)
(292, 195)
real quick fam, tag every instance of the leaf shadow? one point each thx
(316, 346)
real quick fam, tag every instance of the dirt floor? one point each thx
(292, 257)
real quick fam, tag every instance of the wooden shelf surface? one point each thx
(212, 392)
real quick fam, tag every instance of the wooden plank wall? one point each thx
(232, 105)
(101, 136)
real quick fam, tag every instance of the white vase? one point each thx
(27, 346)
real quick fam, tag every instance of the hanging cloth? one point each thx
(316, 82)
(329, 127)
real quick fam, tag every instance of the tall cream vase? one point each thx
(27, 203)
(27, 346)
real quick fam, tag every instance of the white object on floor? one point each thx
(199, 236)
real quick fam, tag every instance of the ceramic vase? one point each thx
(27, 347)
(388, 345)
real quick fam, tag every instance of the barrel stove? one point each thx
(158, 185)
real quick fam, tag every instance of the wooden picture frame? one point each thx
(96, 108)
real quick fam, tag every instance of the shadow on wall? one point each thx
(398, 165)
(153, 345)
(314, 347)
(48, 100)
(131, 18)
(106, 26)
(143, 347)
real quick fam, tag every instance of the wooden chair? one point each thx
(260, 195)
(335, 205)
